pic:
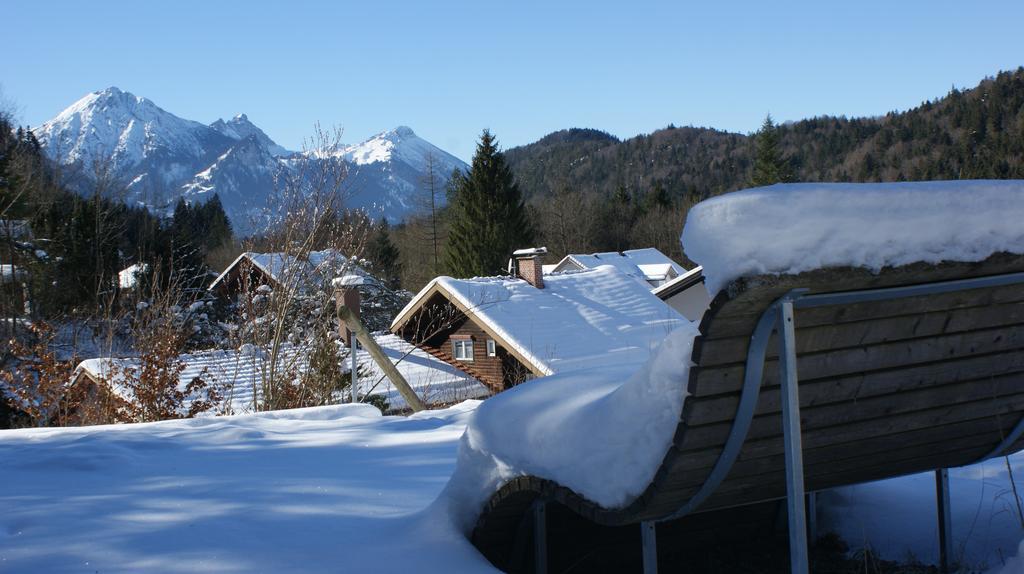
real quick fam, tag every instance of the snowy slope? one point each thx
(243, 177)
(160, 158)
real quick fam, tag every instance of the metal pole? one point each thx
(540, 538)
(791, 436)
(945, 519)
(812, 517)
(649, 539)
(354, 379)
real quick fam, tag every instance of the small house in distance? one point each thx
(681, 289)
(276, 270)
(648, 264)
(504, 330)
(686, 294)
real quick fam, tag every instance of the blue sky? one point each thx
(522, 69)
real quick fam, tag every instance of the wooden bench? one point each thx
(912, 369)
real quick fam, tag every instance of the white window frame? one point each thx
(492, 348)
(462, 349)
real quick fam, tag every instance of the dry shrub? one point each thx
(38, 383)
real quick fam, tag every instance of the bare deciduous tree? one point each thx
(310, 239)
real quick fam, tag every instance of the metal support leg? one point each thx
(945, 519)
(812, 517)
(792, 439)
(354, 376)
(540, 538)
(649, 539)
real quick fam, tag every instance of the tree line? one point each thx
(586, 191)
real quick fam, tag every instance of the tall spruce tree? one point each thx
(769, 165)
(383, 255)
(487, 214)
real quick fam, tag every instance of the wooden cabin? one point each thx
(313, 271)
(506, 330)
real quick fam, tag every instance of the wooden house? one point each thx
(250, 270)
(505, 330)
(647, 264)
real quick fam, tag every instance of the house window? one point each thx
(491, 351)
(462, 349)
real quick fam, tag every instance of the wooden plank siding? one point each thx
(487, 369)
(439, 322)
(886, 389)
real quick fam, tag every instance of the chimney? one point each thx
(346, 295)
(529, 265)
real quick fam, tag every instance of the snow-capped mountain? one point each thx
(388, 170)
(150, 151)
(239, 128)
(158, 158)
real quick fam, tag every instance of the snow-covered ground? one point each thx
(329, 489)
(897, 517)
(343, 489)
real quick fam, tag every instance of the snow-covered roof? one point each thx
(128, 277)
(579, 319)
(237, 373)
(647, 264)
(435, 382)
(685, 280)
(790, 228)
(314, 270)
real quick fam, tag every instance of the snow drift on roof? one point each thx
(600, 432)
(790, 228)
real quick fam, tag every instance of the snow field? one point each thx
(327, 489)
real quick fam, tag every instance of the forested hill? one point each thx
(975, 133)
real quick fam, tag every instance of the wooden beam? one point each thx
(371, 346)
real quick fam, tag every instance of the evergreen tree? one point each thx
(383, 254)
(657, 198)
(187, 246)
(769, 166)
(215, 223)
(488, 216)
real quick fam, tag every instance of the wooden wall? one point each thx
(498, 373)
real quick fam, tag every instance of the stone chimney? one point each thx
(529, 265)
